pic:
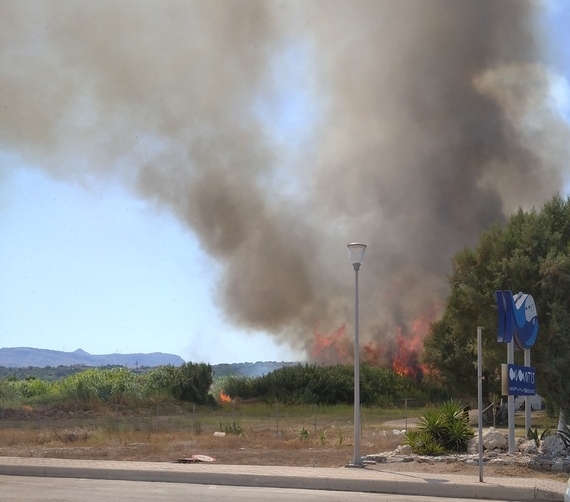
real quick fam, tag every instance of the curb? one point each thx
(311, 478)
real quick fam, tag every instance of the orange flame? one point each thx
(332, 349)
(402, 353)
(406, 361)
(224, 398)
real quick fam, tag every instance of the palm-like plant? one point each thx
(440, 430)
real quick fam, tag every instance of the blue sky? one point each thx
(100, 270)
(92, 266)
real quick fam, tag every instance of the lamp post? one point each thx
(356, 255)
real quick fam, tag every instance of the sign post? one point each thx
(527, 405)
(480, 397)
(511, 399)
(518, 323)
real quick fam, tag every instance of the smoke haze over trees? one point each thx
(423, 123)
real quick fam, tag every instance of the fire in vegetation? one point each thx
(331, 349)
(401, 352)
(406, 361)
(224, 398)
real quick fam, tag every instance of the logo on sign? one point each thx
(520, 380)
(517, 318)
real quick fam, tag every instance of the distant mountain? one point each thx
(23, 357)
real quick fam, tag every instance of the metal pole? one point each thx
(480, 397)
(277, 419)
(527, 404)
(511, 400)
(357, 461)
(315, 419)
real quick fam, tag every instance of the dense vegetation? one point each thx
(530, 253)
(327, 385)
(193, 383)
(189, 382)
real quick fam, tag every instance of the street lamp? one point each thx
(356, 255)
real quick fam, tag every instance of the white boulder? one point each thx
(494, 439)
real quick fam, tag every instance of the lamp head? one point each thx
(356, 252)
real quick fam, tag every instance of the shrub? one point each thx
(441, 430)
(303, 433)
(113, 386)
(423, 443)
(233, 428)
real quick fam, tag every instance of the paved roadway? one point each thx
(31, 489)
(372, 480)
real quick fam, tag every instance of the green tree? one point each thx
(189, 382)
(193, 382)
(530, 253)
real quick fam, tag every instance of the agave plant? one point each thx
(441, 430)
(536, 437)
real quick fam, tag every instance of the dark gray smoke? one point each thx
(433, 120)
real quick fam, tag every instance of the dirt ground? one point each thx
(308, 457)
(230, 450)
(259, 447)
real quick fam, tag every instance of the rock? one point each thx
(403, 449)
(379, 459)
(552, 445)
(473, 445)
(558, 465)
(527, 446)
(494, 439)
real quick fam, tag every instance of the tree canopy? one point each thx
(530, 253)
(324, 385)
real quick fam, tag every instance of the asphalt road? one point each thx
(32, 489)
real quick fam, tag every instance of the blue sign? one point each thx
(520, 380)
(517, 318)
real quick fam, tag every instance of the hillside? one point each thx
(23, 357)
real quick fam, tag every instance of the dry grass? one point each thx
(252, 437)
(151, 435)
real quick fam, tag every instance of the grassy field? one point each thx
(234, 433)
(255, 433)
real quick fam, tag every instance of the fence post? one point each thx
(277, 419)
(315, 419)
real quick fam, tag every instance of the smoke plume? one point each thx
(430, 121)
